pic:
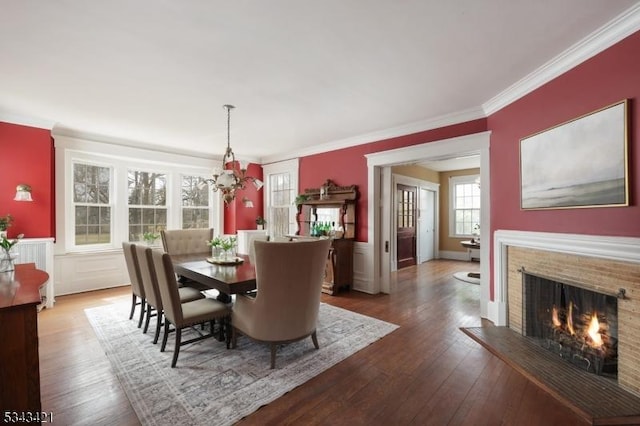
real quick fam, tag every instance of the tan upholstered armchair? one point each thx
(289, 278)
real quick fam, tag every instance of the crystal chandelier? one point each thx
(233, 174)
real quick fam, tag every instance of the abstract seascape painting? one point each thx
(577, 164)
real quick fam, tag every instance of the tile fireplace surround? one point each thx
(602, 264)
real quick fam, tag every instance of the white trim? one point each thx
(604, 37)
(625, 249)
(23, 120)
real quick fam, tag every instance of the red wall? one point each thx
(27, 156)
(609, 77)
(236, 215)
(349, 166)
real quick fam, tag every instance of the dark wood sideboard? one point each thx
(19, 358)
(334, 206)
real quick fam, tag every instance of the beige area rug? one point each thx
(212, 385)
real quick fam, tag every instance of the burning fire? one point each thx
(570, 320)
(594, 332)
(554, 318)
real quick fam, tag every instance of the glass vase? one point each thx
(7, 261)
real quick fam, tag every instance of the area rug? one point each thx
(213, 385)
(464, 276)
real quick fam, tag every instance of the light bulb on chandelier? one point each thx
(232, 176)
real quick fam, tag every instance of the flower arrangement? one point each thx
(222, 246)
(8, 244)
(6, 260)
(260, 221)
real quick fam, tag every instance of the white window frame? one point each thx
(120, 159)
(142, 206)
(292, 168)
(453, 181)
(211, 197)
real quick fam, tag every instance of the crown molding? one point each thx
(606, 36)
(405, 129)
(23, 120)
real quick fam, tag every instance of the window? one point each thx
(195, 202)
(281, 187)
(91, 200)
(147, 199)
(465, 205)
(280, 204)
(406, 206)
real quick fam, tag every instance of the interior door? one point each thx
(426, 225)
(406, 198)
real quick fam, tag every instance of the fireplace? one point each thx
(577, 324)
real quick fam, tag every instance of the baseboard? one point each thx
(454, 255)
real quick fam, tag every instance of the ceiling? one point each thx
(302, 74)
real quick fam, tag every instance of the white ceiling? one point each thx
(301, 73)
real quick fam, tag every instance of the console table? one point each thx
(19, 358)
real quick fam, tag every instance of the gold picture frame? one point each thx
(581, 163)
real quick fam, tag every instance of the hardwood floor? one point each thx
(425, 373)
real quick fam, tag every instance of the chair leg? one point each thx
(234, 338)
(176, 351)
(146, 322)
(133, 305)
(142, 303)
(314, 337)
(158, 326)
(166, 334)
(273, 355)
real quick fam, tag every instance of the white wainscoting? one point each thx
(77, 272)
(363, 268)
(40, 252)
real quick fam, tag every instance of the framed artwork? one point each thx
(577, 164)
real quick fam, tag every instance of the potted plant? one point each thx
(150, 237)
(260, 222)
(5, 222)
(6, 258)
(216, 246)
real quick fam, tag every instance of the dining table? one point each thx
(238, 276)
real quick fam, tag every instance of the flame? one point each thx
(570, 320)
(554, 318)
(593, 331)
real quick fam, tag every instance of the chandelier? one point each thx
(233, 174)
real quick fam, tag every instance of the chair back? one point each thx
(148, 276)
(289, 277)
(168, 286)
(133, 269)
(252, 251)
(186, 241)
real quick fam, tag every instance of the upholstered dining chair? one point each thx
(187, 241)
(251, 240)
(152, 291)
(289, 278)
(183, 315)
(137, 290)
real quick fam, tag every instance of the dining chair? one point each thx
(188, 241)
(251, 240)
(289, 278)
(137, 290)
(152, 291)
(183, 315)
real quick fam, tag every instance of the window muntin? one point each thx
(92, 204)
(465, 205)
(195, 202)
(147, 200)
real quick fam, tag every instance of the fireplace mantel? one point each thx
(605, 247)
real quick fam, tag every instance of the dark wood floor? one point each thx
(425, 373)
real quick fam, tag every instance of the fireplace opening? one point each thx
(577, 324)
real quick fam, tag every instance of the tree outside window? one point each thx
(91, 200)
(147, 199)
(465, 205)
(195, 202)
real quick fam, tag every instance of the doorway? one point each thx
(426, 225)
(381, 192)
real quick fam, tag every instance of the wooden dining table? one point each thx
(227, 279)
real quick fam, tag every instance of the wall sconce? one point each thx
(23, 193)
(247, 202)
